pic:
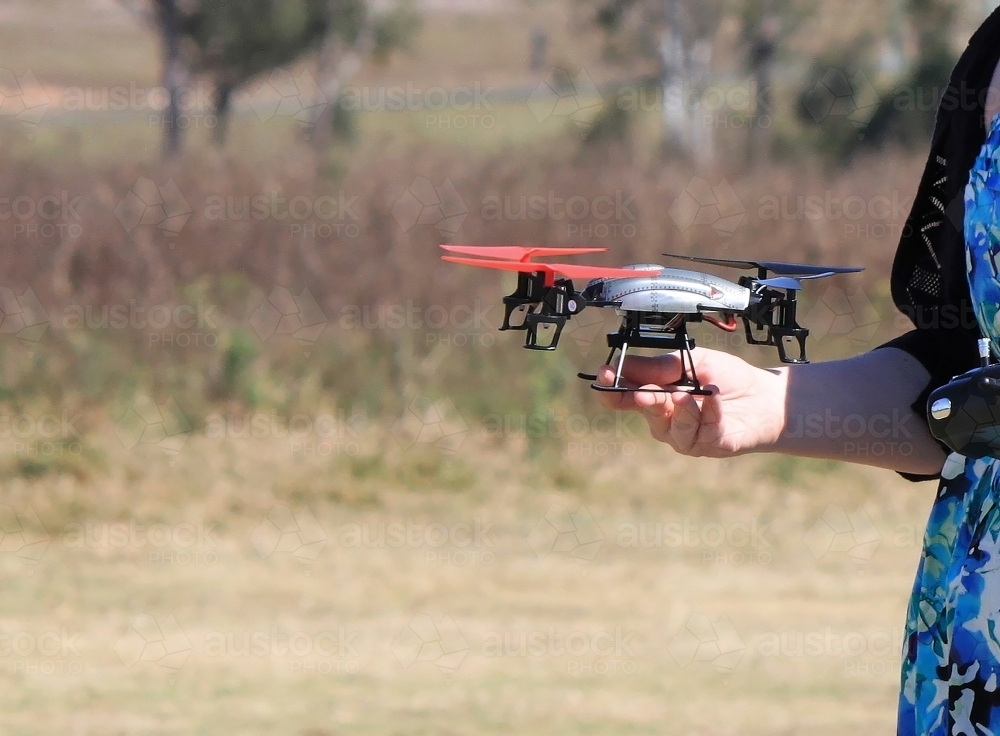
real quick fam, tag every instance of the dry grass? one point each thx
(377, 258)
(90, 592)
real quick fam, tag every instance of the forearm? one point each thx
(859, 410)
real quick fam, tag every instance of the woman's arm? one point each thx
(855, 410)
(876, 389)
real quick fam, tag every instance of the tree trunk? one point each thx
(168, 17)
(223, 106)
(675, 99)
(761, 64)
(320, 134)
(332, 77)
(702, 124)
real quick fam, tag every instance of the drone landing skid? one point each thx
(688, 386)
(631, 334)
(668, 390)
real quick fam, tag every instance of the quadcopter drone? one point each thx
(656, 303)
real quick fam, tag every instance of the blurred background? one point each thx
(269, 468)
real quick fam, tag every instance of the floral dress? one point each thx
(951, 653)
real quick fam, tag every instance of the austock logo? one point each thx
(700, 640)
(563, 96)
(284, 531)
(702, 204)
(838, 531)
(146, 203)
(425, 204)
(282, 95)
(306, 435)
(162, 425)
(955, 212)
(560, 531)
(186, 543)
(600, 216)
(839, 93)
(459, 543)
(160, 642)
(323, 652)
(588, 326)
(434, 423)
(602, 652)
(56, 215)
(23, 99)
(167, 325)
(42, 653)
(844, 314)
(22, 535)
(283, 313)
(736, 544)
(23, 316)
(437, 642)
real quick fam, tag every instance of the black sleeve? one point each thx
(945, 353)
(928, 280)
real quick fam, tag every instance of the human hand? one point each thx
(744, 413)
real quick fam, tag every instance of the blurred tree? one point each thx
(356, 35)
(167, 18)
(678, 36)
(233, 41)
(539, 49)
(838, 103)
(867, 98)
(765, 27)
(907, 115)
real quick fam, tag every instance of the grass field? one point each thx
(178, 610)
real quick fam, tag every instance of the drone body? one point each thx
(656, 303)
(670, 290)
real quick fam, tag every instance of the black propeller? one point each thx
(793, 282)
(776, 267)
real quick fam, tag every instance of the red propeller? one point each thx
(550, 270)
(519, 253)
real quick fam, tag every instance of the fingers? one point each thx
(620, 402)
(661, 370)
(707, 438)
(690, 424)
(652, 398)
(711, 407)
(684, 422)
(638, 370)
(658, 409)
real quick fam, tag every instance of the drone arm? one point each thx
(788, 327)
(771, 319)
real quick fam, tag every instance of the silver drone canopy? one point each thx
(671, 290)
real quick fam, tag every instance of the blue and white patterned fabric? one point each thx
(951, 656)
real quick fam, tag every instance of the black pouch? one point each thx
(964, 414)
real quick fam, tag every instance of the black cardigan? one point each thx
(929, 283)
